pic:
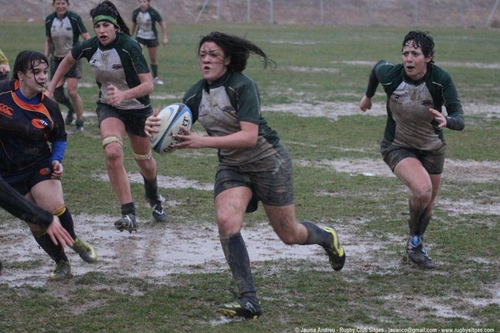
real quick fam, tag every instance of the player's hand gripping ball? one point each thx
(172, 118)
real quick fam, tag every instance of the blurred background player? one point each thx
(124, 82)
(63, 29)
(32, 150)
(145, 18)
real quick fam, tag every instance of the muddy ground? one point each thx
(158, 250)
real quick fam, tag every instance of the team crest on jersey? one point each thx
(228, 109)
(5, 110)
(39, 123)
(428, 102)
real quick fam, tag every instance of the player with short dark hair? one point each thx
(254, 164)
(33, 143)
(124, 82)
(413, 145)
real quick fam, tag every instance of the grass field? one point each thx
(339, 179)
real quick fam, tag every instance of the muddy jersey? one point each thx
(25, 131)
(221, 106)
(118, 63)
(409, 122)
(146, 22)
(64, 33)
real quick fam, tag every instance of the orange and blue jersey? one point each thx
(26, 129)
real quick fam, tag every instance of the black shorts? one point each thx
(75, 72)
(23, 183)
(134, 120)
(432, 161)
(148, 42)
(270, 179)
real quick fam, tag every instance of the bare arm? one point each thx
(164, 33)
(245, 138)
(132, 28)
(48, 46)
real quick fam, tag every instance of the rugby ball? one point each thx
(172, 118)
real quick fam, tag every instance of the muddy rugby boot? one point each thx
(86, 252)
(62, 271)
(79, 125)
(335, 252)
(417, 253)
(127, 222)
(245, 307)
(159, 213)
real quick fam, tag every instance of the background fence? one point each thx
(429, 13)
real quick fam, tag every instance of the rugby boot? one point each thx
(417, 253)
(79, 125)
(244, 306)
(335, 252)
(61, 271)
(159, 213)
(127, 222)
(86, 252)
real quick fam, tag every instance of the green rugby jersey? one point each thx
(409, 122)
(118, 63)
(222, 105)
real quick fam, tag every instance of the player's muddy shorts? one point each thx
(24, 182)
(75, 72)
(148, 42)
(270, 179)
(134, 120)
(432, 161)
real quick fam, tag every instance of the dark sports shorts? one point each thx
(148, 42)
(270, 179)
(134, 119)
(75, 72)
(24, 182)
(432, 161)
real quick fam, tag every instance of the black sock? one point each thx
(154, 69)
(151, 188)
(56, 252)
(128, 208)
(66, 221)
(316, 235)
(239, 262)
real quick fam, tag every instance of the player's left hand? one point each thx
(438, 117)
(57, 170)
(152, 123)
(187, 140)
(115, 95)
